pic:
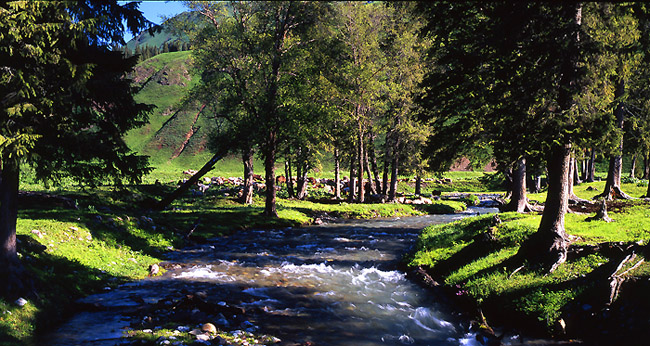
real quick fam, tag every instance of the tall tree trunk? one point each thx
(591, 169)
(518, 200)
(508, 174)
(12, 273)
(536, 187)
(576, 172)
(289, 180)
(371, 183)
(360, 156)
(585, 166)
(646, 166)
(613, 184)
(352, 186)
(269, 168)
(633, 168)
(418, 184)
(549, 245)
(384, 180)
(247, 192)
(301, 186)
(373, 163)
(392, 195)
(572, 181)
(337, 174)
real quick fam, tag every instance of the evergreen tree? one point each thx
(63, 96)
(508, 74)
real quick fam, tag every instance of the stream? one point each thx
(332, 284)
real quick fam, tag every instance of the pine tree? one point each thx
(65, 104)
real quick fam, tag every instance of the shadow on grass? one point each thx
(59, 282)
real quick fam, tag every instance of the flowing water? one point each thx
(333, 284)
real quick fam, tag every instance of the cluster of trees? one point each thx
(288, 80)
(383, 86)
(62, 91)
(540, 84)
(145, 52)
(536, 85)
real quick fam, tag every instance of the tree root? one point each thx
(526, 208)
(601, 214)
(613, 193)
(573, 199)
(617, 278)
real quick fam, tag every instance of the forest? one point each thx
(390, 95)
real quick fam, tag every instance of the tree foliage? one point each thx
(63, 91)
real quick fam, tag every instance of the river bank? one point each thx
(597, 297)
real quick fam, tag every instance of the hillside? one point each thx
(165, 35)
(175, 131)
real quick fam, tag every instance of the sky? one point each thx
(153, 10)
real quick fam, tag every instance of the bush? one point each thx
(470, 200)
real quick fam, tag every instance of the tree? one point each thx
(247, 53)
(63, 92)
(614, 28)
(516, 66)
(380, 54)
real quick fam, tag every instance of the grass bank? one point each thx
(470, 258)
(78, 242)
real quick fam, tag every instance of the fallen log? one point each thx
(191, 181)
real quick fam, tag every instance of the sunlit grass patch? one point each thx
(17, 323)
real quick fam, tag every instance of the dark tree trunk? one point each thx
(191, 181)
(613, 183)
(11, 270)
(548, 246)
(360, 156)
(375, 168)
(384, 180)
(534, 180)
(352, 186)
(585, 167)
(509, 177)
(301, 185)
(269, 168)
(518, 200)
(371, 183)
(337, 174)
(576, 172)
(572, 181)
(646, 166)
(418, 185)
(537, 184)
(591, 167)
(247, 193)
(392, 195)
(633, 168)
(289, 180)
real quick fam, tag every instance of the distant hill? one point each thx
(175, 130)
(145, 39)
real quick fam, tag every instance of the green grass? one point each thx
(590, 190)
